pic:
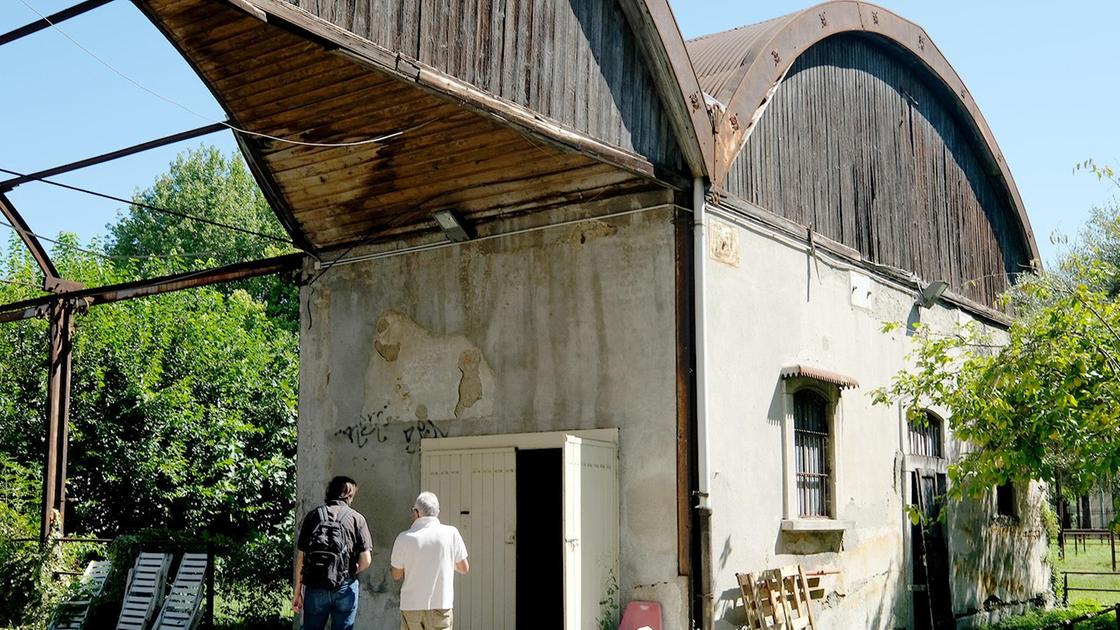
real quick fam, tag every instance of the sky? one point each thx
(1043, 74)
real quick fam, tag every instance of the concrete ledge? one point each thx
(815, 525)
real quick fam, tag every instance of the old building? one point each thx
(617, 298)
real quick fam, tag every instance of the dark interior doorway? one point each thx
(540, 539)
(932, 595)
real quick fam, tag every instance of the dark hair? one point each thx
(341, 489)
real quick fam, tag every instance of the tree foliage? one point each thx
(1041, 401)
(204, 183)
(183, 407)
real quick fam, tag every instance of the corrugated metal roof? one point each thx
(818, 374)
(721, 58)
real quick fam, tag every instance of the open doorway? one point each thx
(539, 515)
(540, 539)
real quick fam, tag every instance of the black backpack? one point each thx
(326, 564)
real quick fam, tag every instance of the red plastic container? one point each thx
(641, 616)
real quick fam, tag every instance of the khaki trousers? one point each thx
(426, 619)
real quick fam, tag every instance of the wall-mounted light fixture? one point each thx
(931, 293)
(452, 226)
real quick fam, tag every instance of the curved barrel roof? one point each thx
(742, 67)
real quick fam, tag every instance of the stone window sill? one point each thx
(805, 525)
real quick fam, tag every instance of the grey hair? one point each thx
(427, 504)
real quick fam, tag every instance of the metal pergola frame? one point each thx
(68, 298)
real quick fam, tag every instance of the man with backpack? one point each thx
(334, 546)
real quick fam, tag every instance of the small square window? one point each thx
(1005, 500)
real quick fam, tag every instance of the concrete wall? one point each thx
(773, 305)
(566, 328)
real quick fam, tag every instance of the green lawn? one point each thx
(1096, 556)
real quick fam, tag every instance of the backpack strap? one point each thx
(324, 513)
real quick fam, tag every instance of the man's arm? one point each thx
(398, 574)
(297, 591)
(462, 567)
(364, 560)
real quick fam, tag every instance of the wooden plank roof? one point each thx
(502, 139)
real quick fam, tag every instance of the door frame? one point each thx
(523, 441)
(533, 441)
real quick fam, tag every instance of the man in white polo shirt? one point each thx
(425, 557)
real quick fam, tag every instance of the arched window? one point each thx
(812, 454)
(927, 438)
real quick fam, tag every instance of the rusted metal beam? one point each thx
(58, 418)
(85, 298)
(33, 245)
(54, 18)
(9, 184)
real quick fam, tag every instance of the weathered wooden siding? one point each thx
(575, 61)
(858, 145)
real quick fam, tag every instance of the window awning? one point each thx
(818, 374)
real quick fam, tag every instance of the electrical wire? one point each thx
(48, 239)
(230, 126)
(54, 241)
(146, 206)
(17, 283)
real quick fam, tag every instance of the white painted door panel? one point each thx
(590, 530)
(477, 490)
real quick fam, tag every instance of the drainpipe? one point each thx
(700, 282)
(700, 345)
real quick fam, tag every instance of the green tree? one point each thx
(204, 183)
(1041, 401)
(183, 409)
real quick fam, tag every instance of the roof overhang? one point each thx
(283, 72)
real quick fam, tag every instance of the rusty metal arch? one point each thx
(751, 71)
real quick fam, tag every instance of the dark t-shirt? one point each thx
(355, 525)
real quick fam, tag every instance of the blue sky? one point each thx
(1044, 76)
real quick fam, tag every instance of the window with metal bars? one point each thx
(812, 454)
(926, 439)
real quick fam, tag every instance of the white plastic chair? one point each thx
(143, 595)
(181, 610)
(71, 614)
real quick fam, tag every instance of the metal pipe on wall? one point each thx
(703, 581)
(699, 256)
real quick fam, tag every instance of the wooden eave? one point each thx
(280, 71)
(668, 61)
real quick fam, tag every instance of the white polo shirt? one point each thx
(428, 552)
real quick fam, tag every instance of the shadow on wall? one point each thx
(840, 605)
(998, 559)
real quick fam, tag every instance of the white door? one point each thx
(477, 492)
(590, 530)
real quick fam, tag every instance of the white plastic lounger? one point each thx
(71, 615)
(144, 593)
(181, 611)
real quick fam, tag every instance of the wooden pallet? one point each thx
(777, 598)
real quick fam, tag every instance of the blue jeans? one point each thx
(340, 604)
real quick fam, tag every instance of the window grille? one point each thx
(927, 440)
(811, 448)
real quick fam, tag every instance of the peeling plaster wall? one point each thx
(777, 307)
(562, 329)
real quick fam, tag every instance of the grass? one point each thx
(1095, 556)
(1044, 619)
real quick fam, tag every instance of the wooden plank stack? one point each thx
(777, 598)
